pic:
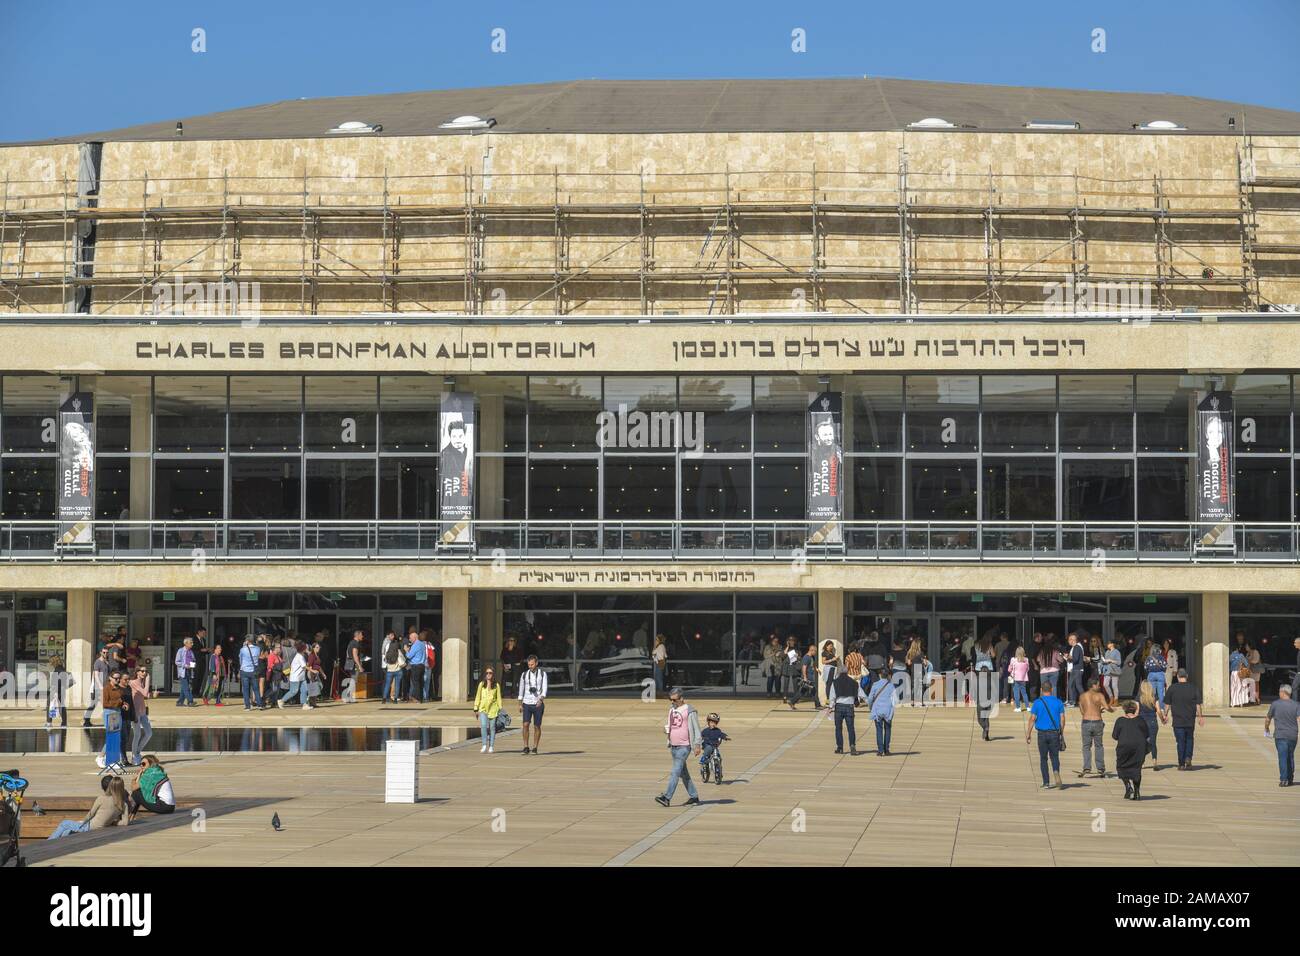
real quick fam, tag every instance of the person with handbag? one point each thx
(773, 661)
(487, 704)
(1047, 714)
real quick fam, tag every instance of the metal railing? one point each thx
(732, 541)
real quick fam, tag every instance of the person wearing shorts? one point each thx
(532, 698)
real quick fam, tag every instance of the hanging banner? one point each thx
(825, 469)
(76, 471)
(1215, 472)
(456, 469)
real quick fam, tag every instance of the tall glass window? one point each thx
(190, 413)
(1166, 407)
(1163, 489)
(1262, 404)
(265, 488)
(122, 419)
(640, 488)
(408, 489)
(265, 413)
(1096, 413)
(943, 413)
(726, 403)
(941, 490)
(340, 488)
(31, 412)
(188, 489)
(1019, 489)
(341, 413)
(563, 489)
(563, 413)
(715, 488)
(408, 412)
(781, 412)
(877, 489)
(873, 410)
(1097, 490)
(1019, 413)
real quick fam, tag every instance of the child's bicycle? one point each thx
(12, 788)
(712, 766)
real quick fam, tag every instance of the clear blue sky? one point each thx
(72, 67)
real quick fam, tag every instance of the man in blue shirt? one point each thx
(417, 656)
(1048, 715)
(248, 655)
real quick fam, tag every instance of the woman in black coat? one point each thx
(1131, 737)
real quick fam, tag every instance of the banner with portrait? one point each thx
(455, 469)
(1215, 472)
(76, 471)
(825, 482)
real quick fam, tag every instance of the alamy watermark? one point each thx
(674, 430)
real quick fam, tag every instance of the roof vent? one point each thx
(1051, 124)
(356, 126)
(468, 122)
(1159, 125)
(931, 122)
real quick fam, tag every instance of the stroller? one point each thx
(12, 788)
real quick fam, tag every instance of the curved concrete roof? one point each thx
(683, 106)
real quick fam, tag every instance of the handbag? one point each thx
(314, 688)
(1244, 671)
(502, 720)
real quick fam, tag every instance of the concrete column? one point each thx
(80, 649)
(1213, 628)
(455, 645)
(830, 627)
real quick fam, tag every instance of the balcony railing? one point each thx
(767, 541)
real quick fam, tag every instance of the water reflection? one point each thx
(239, 740)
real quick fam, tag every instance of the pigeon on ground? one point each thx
(38, 809)
(275, 822)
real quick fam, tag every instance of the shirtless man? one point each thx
(1091, 703)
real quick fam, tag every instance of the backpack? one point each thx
(393, 654)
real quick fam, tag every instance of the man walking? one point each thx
(186, 661)
(845, 691)
(1182, 707)
(1091, 703)
(1074, 670)
(417, 656)
(1283, 720)
(533, 686)
(248, 655)
(1048, 714)
(683, 730)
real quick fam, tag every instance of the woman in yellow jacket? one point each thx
(487, 704)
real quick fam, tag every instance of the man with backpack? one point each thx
(394, 664)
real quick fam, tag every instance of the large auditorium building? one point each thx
(584, 363)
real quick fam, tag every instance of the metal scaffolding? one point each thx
(903, 240)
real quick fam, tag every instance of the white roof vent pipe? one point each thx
(1159, 126)
(931, 122)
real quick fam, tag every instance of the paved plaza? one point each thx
(946, 797)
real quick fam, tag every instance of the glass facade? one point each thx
(1070, 447)
(591, 642)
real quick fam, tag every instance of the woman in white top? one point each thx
(1171, 663)
(297, 677)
